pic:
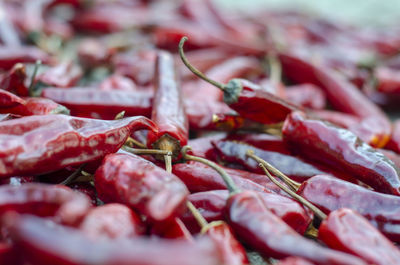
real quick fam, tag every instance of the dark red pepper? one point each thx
(306, 95)
(14, 80)
(339, 148)
(173, 228)
(202, 146)
(138, 183)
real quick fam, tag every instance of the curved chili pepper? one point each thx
(36, 106)
(63, 75)
(40, 242)
(202, 146)
(267, 233)
(339, 148)
(44, 143)
(140, 184)
(14, 80)
(99, 103)
(211, 204)
(9, 100)
(330, 194)
(341, 94)
(59, 202)
(306, 95)
(347, 231)
(246, 98)
(168, 110)
(111, 221)
(173, 228)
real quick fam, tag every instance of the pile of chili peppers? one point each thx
(140, 132)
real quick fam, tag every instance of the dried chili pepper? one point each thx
(111, 221)
(118, 82)
(9, 100)
(248, 99)
(202, 146)
(173, 228)
(45, 243)
(36, 106)
(9, 56)
(140, 184)
(326, 143)
(63, 75)
(14, 80)
(85, 188)
(306, 95)
(59, 202)
(44, 143)
(262, 141)
(347, 231)
(168, 109)
(95, 103)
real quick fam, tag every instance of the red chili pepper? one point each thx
(306, 95)
(325, 143)
(140, 184)
(211, 204)
(59, 202)
(40, 242)
(84, 188)
(111, 221)
(261, 140)
(168, 110)
(330, 194)
(341, 94)
(173, 228)
(14, 80)
(17, 180)
(294, 261)
(248, 99)
(9, 100)
(93, 52)
(262, 230)
(36, 106)
(202, 146)
(95, 103)
(63, 75)
(347, 231)
(118, 82)
(9, 56)
(28, 144)
(7, 254)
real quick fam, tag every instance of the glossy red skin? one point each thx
(233, 252)
(330, 194)
(259, 105)
(261, 140)
(294, 261)
(118, 82)
(200, 113)
(56, 201)
(168, 111)
(203, 147)
(36, 106)
(345, 230)
(173, 229)
(101, 104)
(9, 100)
(394, 142)
(28, 144)
(343, 95)
(263, 231)
(199, 177)
(42, 243)
(14, 81)
(292, 166)
(110, 222)
(17, 180)
(141, 185)
(306, 95)
(211, 204)
(9, 56)
(63, 75)
(339, 148)
(85, 188)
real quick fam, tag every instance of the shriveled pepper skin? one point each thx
(9, 100)
(44, 143)
(36, 106)
(111, 221)
(345, 230)
(43, 243)
(330, 194)
(262, 230)
(105, 104)
(168, 111)
(141, 185)
(212, 204)
(340, 148)
(63, 204)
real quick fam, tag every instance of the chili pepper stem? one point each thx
(294, 185)
(227, 179)
(132, 142)
(73, 176)
(295, 196)
(311, 232)
(35, 71)
(275, 69)
(146, 151)
(120, 115)
(194, 70)
(168, 163)
(197, 215)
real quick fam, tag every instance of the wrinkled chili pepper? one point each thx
(14, 80)
(95, 103)
(140, 184)
(337, 147)
(168, 111)
(262, 141)
(46, 243)
(248, 99)
(173, 228)
(329, 194)
(36, 106)
(341, 94)
(43, 143)
(111, 221)
(9, 100)
(59, 202)
(202, 146)
(347, 231)
(306, 95)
